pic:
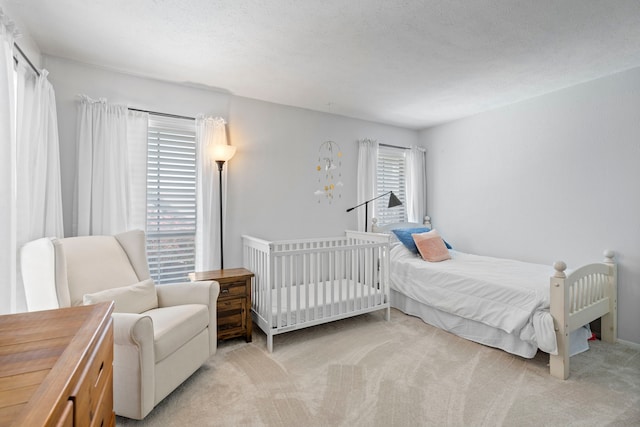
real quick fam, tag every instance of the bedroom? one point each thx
(522, 181)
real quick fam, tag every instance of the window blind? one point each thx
(171, 198)
(391, 170)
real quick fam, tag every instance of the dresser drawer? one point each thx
(233, 289)
(104, 416)
(95, 381)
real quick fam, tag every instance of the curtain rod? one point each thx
(393, 146)
(33, 67)
(424, 150)
(155, 113)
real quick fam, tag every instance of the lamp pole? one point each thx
(220, 152)
(220, 165)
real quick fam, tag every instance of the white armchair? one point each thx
(162, 334)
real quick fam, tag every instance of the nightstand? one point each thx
(234, 302)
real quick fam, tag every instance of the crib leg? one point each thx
(387, 315)
(270, 343)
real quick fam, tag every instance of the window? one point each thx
(391, 177)
(171, 198)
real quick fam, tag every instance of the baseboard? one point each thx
(631, 344)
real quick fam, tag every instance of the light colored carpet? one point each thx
(365, 371)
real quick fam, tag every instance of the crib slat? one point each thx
(332, 284)
(309, 280)
(288, 261)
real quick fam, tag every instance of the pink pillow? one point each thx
(431, 246)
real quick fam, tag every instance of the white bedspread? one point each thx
(506, 294)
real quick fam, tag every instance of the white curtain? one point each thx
(108, 196)
(367, 179)
(8, 214)
(40, 190)
(137, 146)
(29, 166)
(416, 182)
(209, 131)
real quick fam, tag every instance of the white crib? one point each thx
(302, 283)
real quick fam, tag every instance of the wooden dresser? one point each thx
(234, 302)
(56, 367)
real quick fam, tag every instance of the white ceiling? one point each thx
(412, 63)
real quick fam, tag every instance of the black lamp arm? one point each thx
(364, 203)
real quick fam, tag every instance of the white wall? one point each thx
(272, 177)
(553, 178)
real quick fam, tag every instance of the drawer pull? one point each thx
(99, 375)
(224, 291)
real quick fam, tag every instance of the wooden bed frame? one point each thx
(307, 282)
(576, 299)
(588, 293)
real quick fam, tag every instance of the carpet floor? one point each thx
(365, 371)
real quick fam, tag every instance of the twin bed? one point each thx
(515, 306)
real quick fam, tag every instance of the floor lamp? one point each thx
(221, 153)
(393, 202)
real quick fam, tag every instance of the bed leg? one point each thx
(559, 364)
(607, 328)
(609, 322)
(559, 293)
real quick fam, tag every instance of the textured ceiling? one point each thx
(412, 63)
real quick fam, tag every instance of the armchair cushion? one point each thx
(176, 325)
(205, 292)
(136, 298)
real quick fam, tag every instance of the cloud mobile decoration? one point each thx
(329, 172)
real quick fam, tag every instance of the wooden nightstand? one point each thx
(234, 301)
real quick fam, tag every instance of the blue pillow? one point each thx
(404, 235)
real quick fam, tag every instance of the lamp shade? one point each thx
(221, 152)
(394, 201)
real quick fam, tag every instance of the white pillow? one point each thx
(136, 298)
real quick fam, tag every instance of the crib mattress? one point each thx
(320, 300)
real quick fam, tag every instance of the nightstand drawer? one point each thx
(230, 322)
(233, 289)
(230, 307)
(231, 314)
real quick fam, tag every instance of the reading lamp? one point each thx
(221, 153)
(393, 202)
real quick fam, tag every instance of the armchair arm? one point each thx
(205, 292)
(133, 364)
(132, 329)
(188, 293)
